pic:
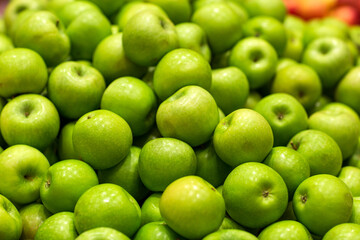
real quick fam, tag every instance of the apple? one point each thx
(32, 216)
(51, 153)
(156, 231)
(220, 60)
(230, 88)
(351, 177)
(26, 74)
(75, 89)
(180, 68)
(5, 43)
(23, 168)
(134, 101)
(102, 138)
(65, 142)
(192, 207)
(274, 8)
(10, 220)
(296, 24)
(314, 9)
(140, 141)
(139, 43)
(253, 98)
(320, 104)
(126, 175)
(318, 28)
(347, 14)
(109, 58)
(71, 9)
(355, 215)
(230, 234)
(322, 202)
(173, 159)
(49, 229)
(30, 119)
(256, 58)
(193, 37)
(150, 209)
(102, 233)
(107, 205)
(243, 136)
(55, 6)
(178, 11)
(343, 231)
(294, 46)
(300, 81)
(320, 150)
(354, 160)
(227, 222)
(255, 195)
(190, 115)
(109, 7)
(288, 229)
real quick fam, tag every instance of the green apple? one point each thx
(253, 98)
(230, 88)
(294, 46)
(243, 136)
(102, 138)
(134, 101)
(70, 10)
(190, 115)
(285, 230)
(273, 8)
(126, 175)
(50, 227)
(140, 141)
(30, 119)
(209, 166)
(150, 209)
(255, 195)
(139, 41)
(285, 115)
(180, 68)
(344, 231)
(193, 37)
(229, 223)
(5, 43)
(316, 29)
(65, 143)
(300, 81)
(351, 177)
(107, 205)
(330, 57)
(32, 216)
(192, 207)
(354, 50)
(220, 60)
(40, 32)
(51, 153)
(55, 6)
(320, 150)
(341, 123)
(109, 7)
(222, 24)
(336, 23)
(10, 220)
(75, 89)
(66, 180)
(163, 160)
(26, 74)
(156, 231)
(85, 32)
(269, 29)
(320, 104)
(355, 215)
(295, 23)
(348, 89)
(23, 168)
(256, 58)
(178, 11)
(2, 26)
(102, 233)
(109, 58)
(291, 166)
(283, 63)
(230, 234)
(354, 160)
(322, 202)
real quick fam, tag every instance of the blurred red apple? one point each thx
(346, 13)
(308, 9)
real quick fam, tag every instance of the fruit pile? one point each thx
(186, 119)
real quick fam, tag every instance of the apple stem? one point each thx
(293, 145)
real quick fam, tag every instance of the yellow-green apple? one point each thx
(322, 202)
(55, 6)
(156, 231)
(285, 230)
(178, 11)
(320, 150)
(190, 115)
(23, 169)
(126, 175)
(107, 205)
(294, 46)
(109, 7)
(253, 98)
(351, 177)
(274, 8)
(256, 58)
(65, 142)
(320, 104)
(255, 195)
(316, 28)
(354, 160)
(150, 209)
(295, 23)
(228, 223)
(134, 101)
(192, 207)
(75, 89)
(243, 136)
(140, 141)
(284, 62)
(32, 216)
(30, 119)
(10, 220)
(343, 231)
(22, 71)
(355, 215)
(102, 233)
(5, 43)
(180, 68)
(70, 10)
(173, 159)
(230, 234)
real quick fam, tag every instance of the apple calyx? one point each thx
(47, 184)
(29, 177)
(304, 198)
(265, 193)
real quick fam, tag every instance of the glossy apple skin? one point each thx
(348, 89)
(322, 202)
(285, 230)
(30, 119)
(102, 138)
(243, 136)
(50, 227)
(351, 177)
(65, 143)
(255, 195)
(22, 169)
(230, 234)
(294, 45)
(5, 43)
(355, 215)
(320, 150)
(28, 74)
(192, 207)
(10, 220)
(102, 233)
(343, 231)
(70, 10)
(108, 7)
(150, 209)
(274, 8)
(156, 231)
(107, 205)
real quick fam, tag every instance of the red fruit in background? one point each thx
(347, 14)
(291, 6)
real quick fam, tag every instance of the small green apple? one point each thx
(55, 6)
(283, 63)
(274, 8)
(150, 209)
(178, 11)
(354, 160)
(355, 215)
(253, 98)
(285, 230)
(10, 220)
(228, 223)
(343, 231)
(102, 233)
(72, 9)
(351, 177)
(316, 29)
(5, 43)
(156, 231)
(65, 143)
(109, 7)
(230, 234)
(294, 45)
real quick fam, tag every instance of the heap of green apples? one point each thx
(186, 119)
